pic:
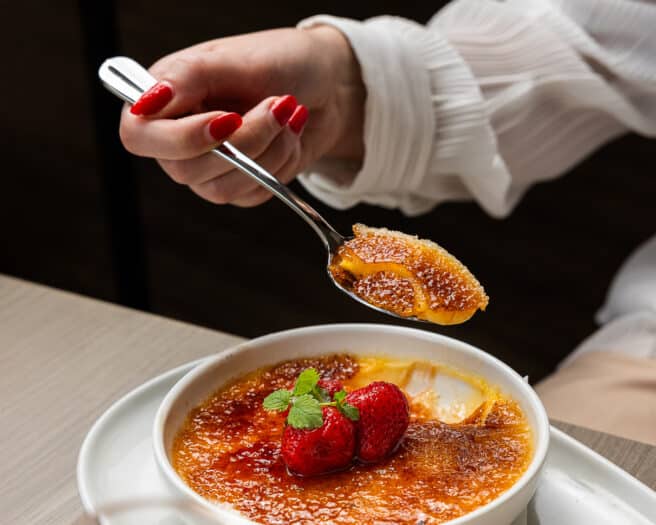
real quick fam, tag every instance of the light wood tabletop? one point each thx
(64, 359)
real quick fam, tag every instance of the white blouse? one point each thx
(491, 97)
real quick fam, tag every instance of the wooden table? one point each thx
(64, 359)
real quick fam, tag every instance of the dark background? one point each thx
(78, 213)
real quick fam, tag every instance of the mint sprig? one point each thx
(306, 400)
(305, 413)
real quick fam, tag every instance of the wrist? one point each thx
(348, 97)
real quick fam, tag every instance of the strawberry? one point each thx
(384, 416)
(331, 386)
(330, 447)
(319, 434)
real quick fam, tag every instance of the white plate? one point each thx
(577, 486)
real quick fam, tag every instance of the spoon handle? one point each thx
(128, 80)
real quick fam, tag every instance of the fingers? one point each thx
(263, 124)
(269, 133)
(182, 138)
(190, 137)
(234, 185)
(260, 195)
(264, 135)
(182, 87)
(255, 198)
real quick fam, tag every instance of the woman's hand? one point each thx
(276, 79)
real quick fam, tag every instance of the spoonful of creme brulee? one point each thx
(389, 271)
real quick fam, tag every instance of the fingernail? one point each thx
(224, 126)
(298, 119)
(283, 108)
(152, 100)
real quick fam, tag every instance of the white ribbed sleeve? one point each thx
(491, 97)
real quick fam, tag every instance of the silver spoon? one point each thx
(128, 80)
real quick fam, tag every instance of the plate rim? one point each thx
(92, 436)
(583, 450)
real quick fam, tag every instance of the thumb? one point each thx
(181, 88)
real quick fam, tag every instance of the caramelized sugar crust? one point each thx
(229, 451)
(408, 276)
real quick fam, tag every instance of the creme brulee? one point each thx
(228, 451)
(407, 276)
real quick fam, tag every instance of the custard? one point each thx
(408, 276)
(228, 451)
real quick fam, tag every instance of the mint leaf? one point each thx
(349, 411)
(306, 382)
(321, 394)
(305, 412)
(277, 401)
(339, 396)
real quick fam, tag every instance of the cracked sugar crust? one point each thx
(408, 275)
(387, 291)
(228, 451)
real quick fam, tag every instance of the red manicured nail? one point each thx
(283, 108)
(152, 100)
(224, 126)
(298, 119)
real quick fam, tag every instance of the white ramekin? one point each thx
(362, 340)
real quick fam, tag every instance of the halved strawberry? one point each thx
(320, 450)
(384, 417)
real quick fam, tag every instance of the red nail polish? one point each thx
(224, 126)
(152, 100)
(283, 108)
(298, 119)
